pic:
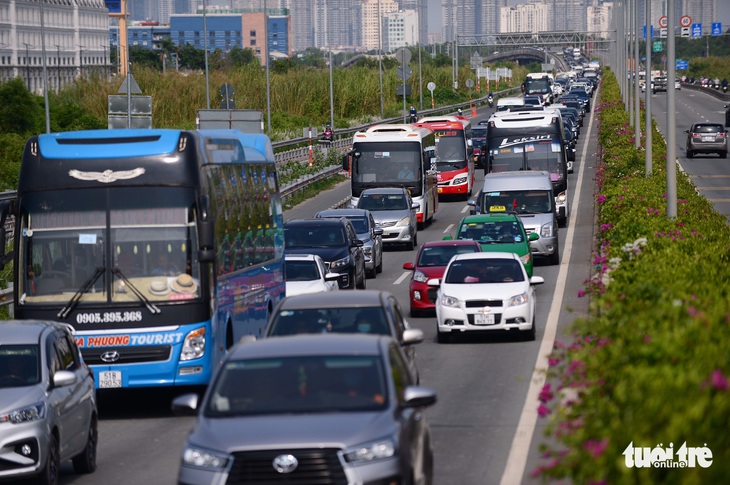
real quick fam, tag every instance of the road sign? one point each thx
(651, 31)
(682, 65)
(404, 72)
(657, 46)
(685, 21)
(475, 61)
(469, 83)
(663, 32)
(403, 55)
(716, 28)
(663, 21)
(696, 30)
(134, 87)
(685, 32)
(431, 86)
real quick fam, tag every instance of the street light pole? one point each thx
(27, 65)
(45, 69)
(380, 61)
(268, 76)
(329, 48)
(205, 48)
(58, 67)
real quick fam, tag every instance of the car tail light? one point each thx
(721, 134)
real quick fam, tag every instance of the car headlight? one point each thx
(193, 345)
(525, 259)
(406, 221)
(459, 180)
(367, 250)
(200, 458)
(340, 262)
(377, 450)
(420, 276)
(517, 300)
(34, 412)
(546, 230)
(450, 301)
(561, 198)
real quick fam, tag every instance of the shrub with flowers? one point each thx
(650, 364)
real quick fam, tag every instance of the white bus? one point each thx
(396, 156)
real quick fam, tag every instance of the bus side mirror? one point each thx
(346, 162)
(206, 233)
(6, 207)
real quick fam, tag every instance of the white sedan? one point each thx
(485, 292)
(307, 273)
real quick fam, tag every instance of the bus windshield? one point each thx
(450, 150)
(101, 242)
(379, 164)
(537, 86)
(533, 155)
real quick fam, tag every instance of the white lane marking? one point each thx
(448, 228)
(402, 277)
(514, 470)
(466, 208)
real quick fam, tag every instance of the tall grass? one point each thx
(299, 97)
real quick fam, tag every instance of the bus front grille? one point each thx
(125, 355)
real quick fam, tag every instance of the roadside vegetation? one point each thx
(649, 366)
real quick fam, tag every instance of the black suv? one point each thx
(335, 241)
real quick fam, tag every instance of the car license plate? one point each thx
(708, 138)
(110, 379)
(483, 319)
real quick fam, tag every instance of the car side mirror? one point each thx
(533, 236)
(357, 242)
(434, 282)
(378, 231)
(409, 265)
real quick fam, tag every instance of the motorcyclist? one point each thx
(328, 133)
(723, 83)
(490, 99)
(459, 112)
(717, 83)
(413, 114)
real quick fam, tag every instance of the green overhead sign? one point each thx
(658, 45)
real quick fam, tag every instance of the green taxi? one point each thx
(498, 230)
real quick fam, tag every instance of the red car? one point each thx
(430, 263)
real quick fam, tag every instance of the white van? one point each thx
(505, 104)
(530, 195)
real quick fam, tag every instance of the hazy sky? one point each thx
(434, 13)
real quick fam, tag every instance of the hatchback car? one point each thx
(395, 212)
(370, 235)
(485, 292)
(307, 273)
(48, 410)
(310, 409)
(366, 312)
(335, 241)
(499, 231)
(431, 262)
(706, 138)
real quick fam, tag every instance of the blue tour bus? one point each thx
(160, 247)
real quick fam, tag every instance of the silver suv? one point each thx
(48, 408)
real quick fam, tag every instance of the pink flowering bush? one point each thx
(650, 364)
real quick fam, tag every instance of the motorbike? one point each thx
(490, 100)
(724, 88)
(413, 118)
(328, 135)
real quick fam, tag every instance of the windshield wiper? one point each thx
(150, 306)
(81, 291)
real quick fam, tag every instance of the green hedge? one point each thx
(650, 363)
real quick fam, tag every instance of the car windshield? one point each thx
(304, 270)
(440, 255)
(492, 232)
(313, 236)
(19, 365)
(295, 385)
(371, 320)
(470, 271)
(381, 202)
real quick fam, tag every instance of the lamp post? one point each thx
(27, 65)
(329, 49)
(58, 67)
(268, 76)
(205, 48)
(380, 61)
(45, 69)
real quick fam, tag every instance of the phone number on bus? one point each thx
(109, 317)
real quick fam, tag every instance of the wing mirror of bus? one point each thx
(346, 161)
(206, 241)
(6, 207)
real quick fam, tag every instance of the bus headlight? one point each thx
(193, 345)
(461, 180)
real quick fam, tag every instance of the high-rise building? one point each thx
(75, 35)
(524, 18)
(373, 13)
(470, 18)
(421, 8)
(400, 29)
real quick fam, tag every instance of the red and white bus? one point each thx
(454, 153)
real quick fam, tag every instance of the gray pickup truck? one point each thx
(658, 84)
